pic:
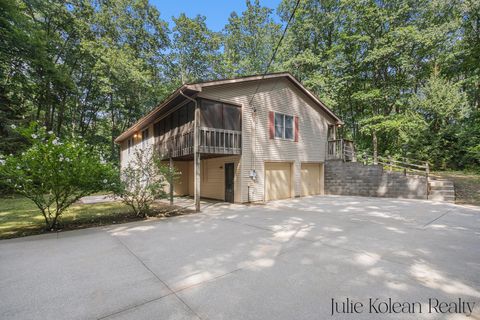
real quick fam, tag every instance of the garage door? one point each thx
(277, 180)
(311, 179)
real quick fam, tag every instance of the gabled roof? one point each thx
(191, 89)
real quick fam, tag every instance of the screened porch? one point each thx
(219, 130)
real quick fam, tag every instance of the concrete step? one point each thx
(444, 191)
(439, 197)
(440, 183)
(442, 188)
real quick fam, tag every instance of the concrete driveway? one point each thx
(284, 260)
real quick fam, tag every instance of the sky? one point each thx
(216, 11)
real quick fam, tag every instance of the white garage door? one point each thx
(311, 179)
(278, 180)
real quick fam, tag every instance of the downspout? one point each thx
(196, 154)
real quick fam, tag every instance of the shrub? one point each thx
(144, 180)
(55, 173)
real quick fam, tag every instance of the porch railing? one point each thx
(341, 149)
(398, 164)
(220, 141)
(211, 140)
(177, 145)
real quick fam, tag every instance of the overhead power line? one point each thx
(252, 164)
(276, 48)
(283, 36)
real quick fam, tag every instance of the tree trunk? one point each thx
(375, 147)
(47, 223)
(53, 224)
(61, 113)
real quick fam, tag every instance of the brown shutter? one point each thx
(271, 124)
(296, 129)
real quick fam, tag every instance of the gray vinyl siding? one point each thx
(125, 155)
(278, 95)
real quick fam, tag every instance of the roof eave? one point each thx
(199, 86)
(316, 99)
(142, 121)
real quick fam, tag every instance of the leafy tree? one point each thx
(195, 50)
(462, 62)
(55, 173)
(444, 107)
(399, 130)
(144, 180)
(249, 40)
(369, 61)
(85, 67)
(92, 68)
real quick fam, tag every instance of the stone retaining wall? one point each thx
(357, 179)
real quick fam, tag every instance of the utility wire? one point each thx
(252, 164)
(276, 49)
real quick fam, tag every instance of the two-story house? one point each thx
(255, 138)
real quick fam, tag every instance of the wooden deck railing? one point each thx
(220, 141)
(211, 140)
(176, 146)
(341, 149)
(399, 164)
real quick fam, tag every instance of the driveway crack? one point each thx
(156, 276)
(439, 217)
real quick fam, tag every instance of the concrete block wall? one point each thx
(357, 179)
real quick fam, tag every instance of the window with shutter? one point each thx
(271, 127)
(288, 127)
(296, 129)
(283, 126)
(279, 125)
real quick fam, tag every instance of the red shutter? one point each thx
(271, 124)
(296, 129)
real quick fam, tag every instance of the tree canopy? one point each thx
(405, 72)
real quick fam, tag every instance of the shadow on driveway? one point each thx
(284, 260)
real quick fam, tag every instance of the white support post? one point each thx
(170, 178)
(196, 158)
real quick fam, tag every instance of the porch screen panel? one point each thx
(159, 128)
(190, 112)
(175, 119)
(212, 114)
(182, 116)
(231, 117)
(168, 123)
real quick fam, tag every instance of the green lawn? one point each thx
(20, 217)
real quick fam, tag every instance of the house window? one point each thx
(284, 126)
(144, 137)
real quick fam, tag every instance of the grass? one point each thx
(20, 217)
(467, 186)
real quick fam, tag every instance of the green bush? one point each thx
(143, 180)
(54, 172)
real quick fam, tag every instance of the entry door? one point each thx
(229, 184)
